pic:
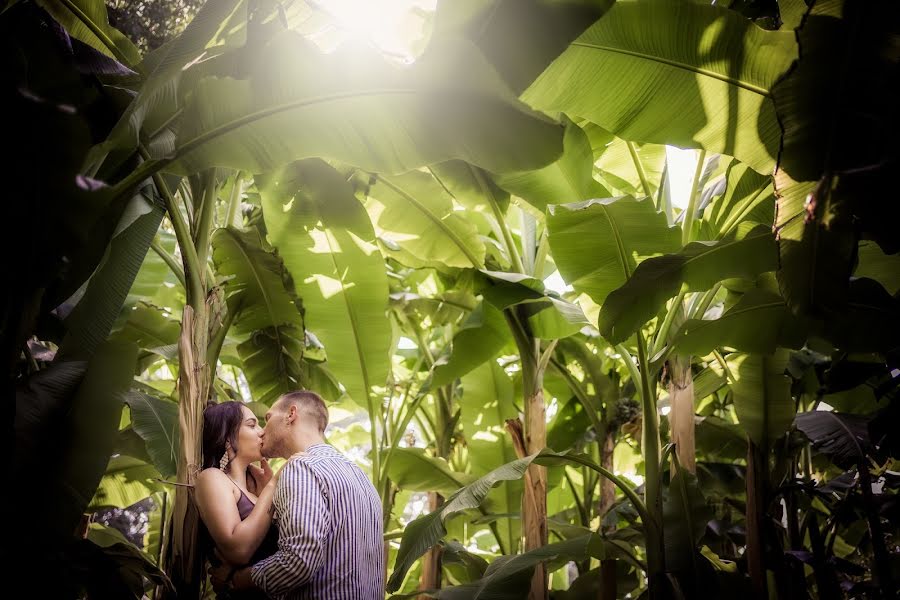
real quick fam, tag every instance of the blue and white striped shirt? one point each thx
(330, 540)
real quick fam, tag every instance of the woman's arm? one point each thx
(236, 540)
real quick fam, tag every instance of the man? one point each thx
(329, 515)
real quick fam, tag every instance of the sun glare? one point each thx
(682, 164)
(395, 27)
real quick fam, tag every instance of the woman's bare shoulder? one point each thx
(211, 477)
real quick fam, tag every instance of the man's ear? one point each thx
(292, 413)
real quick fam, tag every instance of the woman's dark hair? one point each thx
(221, 424)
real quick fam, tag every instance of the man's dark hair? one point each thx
(308, 402)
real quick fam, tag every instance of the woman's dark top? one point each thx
(267, 548)
(269, 545)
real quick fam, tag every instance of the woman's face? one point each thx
(248, 440)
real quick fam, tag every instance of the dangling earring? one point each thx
(223, 462)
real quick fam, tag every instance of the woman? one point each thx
(234, 496)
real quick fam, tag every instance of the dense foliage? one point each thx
(708, 406)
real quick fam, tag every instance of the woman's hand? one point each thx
(260, 475)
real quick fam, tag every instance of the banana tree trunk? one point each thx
(681, 415)
(607, 489)
(534, 507)
(181, 560)
(757, 464)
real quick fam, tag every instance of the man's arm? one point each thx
(304, 525)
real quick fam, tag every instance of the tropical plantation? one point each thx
(601, 297)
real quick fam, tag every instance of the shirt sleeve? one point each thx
(303, 525)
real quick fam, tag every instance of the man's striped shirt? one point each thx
(330, 543)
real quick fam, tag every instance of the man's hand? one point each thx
(220, 577)
(262, 475)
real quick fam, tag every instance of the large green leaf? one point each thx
(127, 480)
(486, 403)
(93, 317)
(762, 395)
(86, 20)
(93, 424)
(569, 179)
(266, 312)
(519, 37)
(353, 106)
(697, 267)
(256, 286)
(418, 226)
(597, 244)
(413, 469)
(270, 362)
(759, 322)
(680, 73)
(326, 240)
(478, 340)
(156, 421)
(835, 162)
(685, 515)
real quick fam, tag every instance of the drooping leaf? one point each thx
(256, 288)
(353, 106)
(266, 313)
(569, 179)
(270, 362)
(698, 266)
(687, 74)
(156, 421)
(326, 240)
(597, 244)
(759, 322)
(844, 438)
(414, 213)
(762, 395)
